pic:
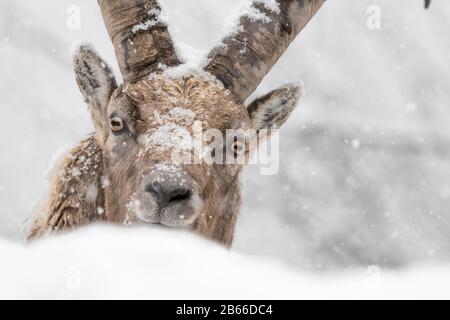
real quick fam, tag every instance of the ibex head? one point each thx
(140, 123)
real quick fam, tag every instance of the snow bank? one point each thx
(105, 262)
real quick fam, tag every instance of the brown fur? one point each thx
(68, 204)
(66, 207)
(123, 173)
(217, 218)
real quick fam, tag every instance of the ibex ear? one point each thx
(96, 82)
(273, 109)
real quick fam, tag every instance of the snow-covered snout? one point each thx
(167, 195)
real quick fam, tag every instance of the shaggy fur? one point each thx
(76, 195)
(104, 177)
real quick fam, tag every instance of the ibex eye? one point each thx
(117, 124)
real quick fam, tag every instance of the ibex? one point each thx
(118, 173)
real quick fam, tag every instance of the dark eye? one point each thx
(117, 124)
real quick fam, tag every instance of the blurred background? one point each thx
(364, 171)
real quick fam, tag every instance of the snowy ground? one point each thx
(107, 263)
(364, 177)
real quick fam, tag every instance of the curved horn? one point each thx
(243, 58)
(141, 40)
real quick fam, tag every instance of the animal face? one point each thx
(149, 123)
(148, 133)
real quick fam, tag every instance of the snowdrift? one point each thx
(148, 262)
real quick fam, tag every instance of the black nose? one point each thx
(167, 194)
